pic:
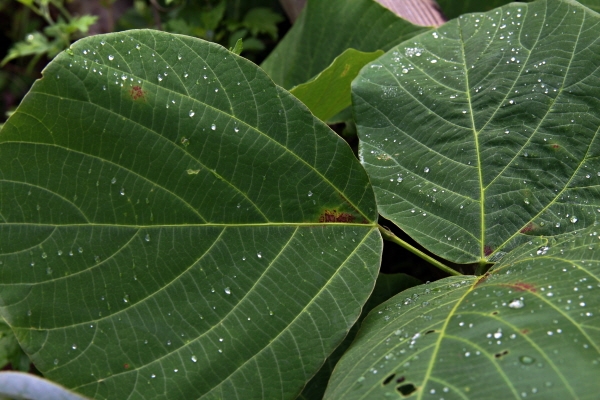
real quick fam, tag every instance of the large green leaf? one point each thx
(484, 132)
(325, 29)
(174, 224)
(530, 328)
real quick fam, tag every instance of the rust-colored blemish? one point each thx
(525, 331)
(335, 216)
(482, 279)
(555, 146)
(125, 366)
(521, 287)
(346, 69)
(136, 92)
(528, 228)
(487, 250)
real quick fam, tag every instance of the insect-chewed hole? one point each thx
(389, 379)
(430, 331)
(407, 389)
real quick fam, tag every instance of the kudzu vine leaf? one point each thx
(484, 132)
(314, 41)
(529, 328)
(329, 92)
(175, 224)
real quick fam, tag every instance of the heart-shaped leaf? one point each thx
(529, 328)
(315, 41)
(483, 132)
(175, 224)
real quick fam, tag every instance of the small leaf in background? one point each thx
(329, 92)
(35, 43)
(10, 351)
(314, 42)
(238, 48)
(528, 328)
(177, 223)
(477, 141)
(262, 20)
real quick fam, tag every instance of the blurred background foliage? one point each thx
(34, 31)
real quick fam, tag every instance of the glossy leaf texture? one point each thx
(314, 41)
(330, 92)
(174, 222)
(528, 329)
(484, 132)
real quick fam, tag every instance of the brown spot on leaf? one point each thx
(521, 287)
(346, 69)
(334, 216)
(528, 228)
(555, 146)
(487, 250)
(136, 92)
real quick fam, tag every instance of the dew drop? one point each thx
(426, 169)
(227, 290)
(111, 57)
(213, 127)
(526, 360)
(573, 219)
(259, 254)
(194, 359)
(516, 303)
(192, 113)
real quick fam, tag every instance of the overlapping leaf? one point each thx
(530, 328)
(325, 29)
(483, 132)
(173, 223)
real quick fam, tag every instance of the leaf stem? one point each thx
(388, 235)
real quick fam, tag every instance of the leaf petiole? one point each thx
(388, 235)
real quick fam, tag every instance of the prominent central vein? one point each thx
(476, 138)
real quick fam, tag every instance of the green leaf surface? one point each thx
(484, 132)
(529, 328)
(173, 222)
(329, 92)
(387, 285)
(315, 40)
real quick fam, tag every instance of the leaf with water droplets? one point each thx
(156, 236)
(530, 326)
(497, 141)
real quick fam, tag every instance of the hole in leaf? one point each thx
(430, 331)
(407, 389)
(495, 313)
(389, 379)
